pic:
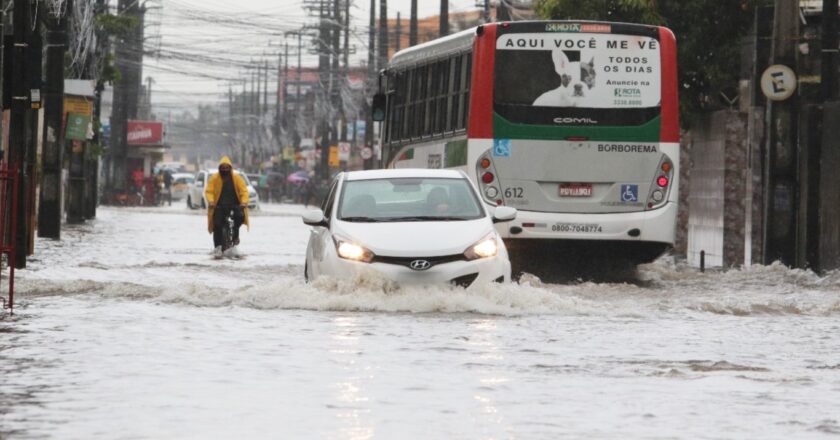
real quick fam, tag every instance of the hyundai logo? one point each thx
(420, 265)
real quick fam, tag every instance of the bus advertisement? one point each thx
(575, 124)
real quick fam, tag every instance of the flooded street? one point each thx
(127, 329)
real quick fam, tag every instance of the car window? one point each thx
(409, 199)
(200, 178)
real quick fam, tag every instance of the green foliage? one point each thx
(116, 25)
(709, 35)
(109, 72)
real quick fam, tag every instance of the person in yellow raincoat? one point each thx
(226, 191)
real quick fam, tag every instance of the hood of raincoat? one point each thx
(226, 161)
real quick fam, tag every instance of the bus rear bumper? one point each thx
(658, 225)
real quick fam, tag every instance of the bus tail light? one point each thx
(491, 192)
(485, 163)
(658, 194)
(487, 177)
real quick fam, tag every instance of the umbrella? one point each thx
(298, 176)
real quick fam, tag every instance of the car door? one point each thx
(320, 236)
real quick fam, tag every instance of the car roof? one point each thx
(404, 173)
(179, 175)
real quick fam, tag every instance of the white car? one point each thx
(195, 195)
(414, 226)
(181, 183)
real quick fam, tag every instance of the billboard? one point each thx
(589, 70)
(144, 133)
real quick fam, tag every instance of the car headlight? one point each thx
(485, 248)
(352, 251)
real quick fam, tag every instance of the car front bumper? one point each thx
(462, 273)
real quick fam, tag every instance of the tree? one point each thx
(709, 38)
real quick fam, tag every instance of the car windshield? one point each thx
(408, 199)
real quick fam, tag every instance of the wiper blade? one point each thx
(360, 219)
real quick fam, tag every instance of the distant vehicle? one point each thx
(195, 195)
(175, 167)
(181, 185)
(574, 123)
(412, 226)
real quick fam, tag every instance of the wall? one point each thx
(716, 188)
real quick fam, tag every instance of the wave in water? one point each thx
(665, 290)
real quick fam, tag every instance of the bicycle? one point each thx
(228, 230)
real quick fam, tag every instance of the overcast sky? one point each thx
(204, 45)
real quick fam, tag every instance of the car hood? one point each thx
(415, 239)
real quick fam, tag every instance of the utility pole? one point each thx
(824, 221)
(398, 34)
(52, 160)
(383, 34)
(347, 36)
(103, 48)
(412, 26)
(19, 119)
(371, 82)
(444, 18)
(830, 48)
(129, 57)
(503, 11)
(780, 173)
(2, 70)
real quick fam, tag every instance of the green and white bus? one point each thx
(575, 124)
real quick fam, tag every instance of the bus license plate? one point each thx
(575, 190)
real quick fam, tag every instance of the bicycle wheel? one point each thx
(227, 234)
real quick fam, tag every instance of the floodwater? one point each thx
(127, 329)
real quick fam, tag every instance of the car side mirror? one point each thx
(504, 214)
(314, 217)
(378, 107)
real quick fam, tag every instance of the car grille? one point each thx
(406, 261)
(464, 281)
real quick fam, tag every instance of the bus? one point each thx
(574, 123)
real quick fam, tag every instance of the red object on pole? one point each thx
(9, 180)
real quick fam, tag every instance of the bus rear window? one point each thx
(577, 78)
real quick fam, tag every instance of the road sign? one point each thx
(344, 151)
(778, 82)
(367, 153)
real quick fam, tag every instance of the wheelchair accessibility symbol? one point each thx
(629, 193)
(501, 147)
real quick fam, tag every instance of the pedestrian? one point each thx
(167, 184)
(306, 192)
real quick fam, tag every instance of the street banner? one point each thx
(77, 127)
(145, 133)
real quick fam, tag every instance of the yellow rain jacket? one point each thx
(214, 190)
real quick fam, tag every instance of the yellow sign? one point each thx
(334, 162)
(288, 153)
(81, 106)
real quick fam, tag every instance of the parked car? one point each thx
(196, 199)
(181, 185)
(413, 226)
